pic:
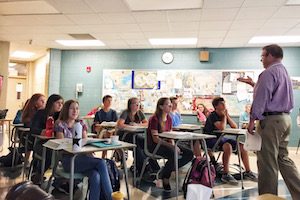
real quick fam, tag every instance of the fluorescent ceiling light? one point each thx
(274, 39)
(80, 43)
(22, 54)
(12, 64)
(292, 2)
(173, 41)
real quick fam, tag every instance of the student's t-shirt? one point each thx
(154, 125)
(210, 123)
(102, 116)
(63, 127)
(176, 118)
(138, 117)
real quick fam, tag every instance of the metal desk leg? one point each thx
(43, 163)
(176, 166)
(71, 181)
(208, 164)
(134, 161)
(239, 157)
(126, 174)
(54, 163)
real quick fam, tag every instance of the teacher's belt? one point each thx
(275, 113)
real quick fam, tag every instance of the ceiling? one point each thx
(36, 24)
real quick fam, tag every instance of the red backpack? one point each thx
(198, 174)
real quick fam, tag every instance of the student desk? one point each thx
(237, 133)
(186, 136)
(188, 127)
(135, 130)
(86, 150)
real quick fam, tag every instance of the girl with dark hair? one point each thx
(38, 127)
(94, 168)
(160, 122)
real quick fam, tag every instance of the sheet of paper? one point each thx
(253, 142)
(226, 87)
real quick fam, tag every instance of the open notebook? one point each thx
(64, 143)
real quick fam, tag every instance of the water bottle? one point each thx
(49, 127)
(77, 136)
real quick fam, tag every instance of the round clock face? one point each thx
(167, 57)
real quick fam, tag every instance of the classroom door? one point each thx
(16, 95)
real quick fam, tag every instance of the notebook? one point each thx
(103, 144)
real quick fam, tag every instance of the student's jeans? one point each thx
(96, 170)
(168, 153)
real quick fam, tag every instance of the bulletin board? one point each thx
(190, 86)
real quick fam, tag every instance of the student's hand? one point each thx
(133, 124)
(251, 127)
(43, 133)
(247, 80)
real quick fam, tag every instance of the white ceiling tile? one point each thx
(158, 34)
(184, 15)
(270, 32)
(105, 6)
(282, 23)
(185, 34)
(223, 3)
(115, 43)
(107, 36)
(54, 20)
(130, 36)
(69, 29)
(256, 13)
(209, 42)
(219, 14)
(154, 27)
(294, 31)
(214, 25)
(236, 40)
(211, 34)
(70, 6)
(189, 26)
(264, 3)
(118, 18)
(287, 12)
(247, 24)
(21, 20)
(108, 28)
(137, 42)
(241, 33)
(28, 29)
(151, 17)
(85, 19)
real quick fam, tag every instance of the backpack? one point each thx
(7, 159)
(198, 174)
(114, 174)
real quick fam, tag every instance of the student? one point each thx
(218, 120)
(132, 116)
(202, 113)
(175, 115)
(38, 127)
(94, 168)
(106, 114)
(35, 103)
(245, 116)
(160, 122)
(18, 117)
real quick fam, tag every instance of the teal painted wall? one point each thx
(73, 63)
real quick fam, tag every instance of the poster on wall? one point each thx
(296, 82)
(145, 80)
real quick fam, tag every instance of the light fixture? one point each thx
(173, 41)
(292, 2)
(82, 43)
(12, 64)
(274, 39)
(22, 54)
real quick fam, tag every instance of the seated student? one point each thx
(18, 117)
(174, 114)
(35, 103)
(218, 120)
(202, 113)
(160, 122)
(132, 116)
(94, 168)
(106, 114)
(38, 127)
(245, 116)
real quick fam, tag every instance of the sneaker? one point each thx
(250, 176)
(228, 178)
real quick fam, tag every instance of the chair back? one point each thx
(3, 113)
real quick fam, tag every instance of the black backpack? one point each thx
(7, 159)
(114, 174)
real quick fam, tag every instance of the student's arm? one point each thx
(115, 116)
(121, 120)
(144, 121)
(38, 123)
(230, 121)
(221, 125)
(59, 135)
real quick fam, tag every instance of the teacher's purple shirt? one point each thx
(273, 92)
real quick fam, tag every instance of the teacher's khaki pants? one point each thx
(275, 131)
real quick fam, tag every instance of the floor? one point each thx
(154, 191)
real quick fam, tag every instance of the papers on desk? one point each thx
(253, 142)
(108, 124)
(134, 128)
(59, 144)
(181, 134)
